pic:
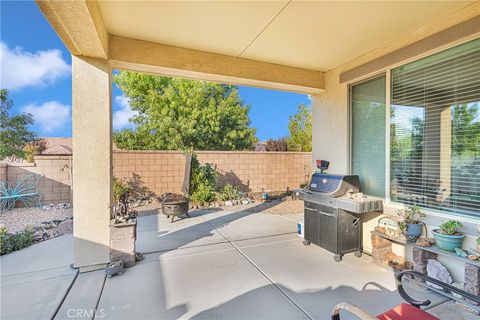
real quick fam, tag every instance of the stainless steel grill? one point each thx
(333, 212)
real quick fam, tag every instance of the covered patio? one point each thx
(216, 265)
(240, 265)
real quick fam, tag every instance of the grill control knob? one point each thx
(324, 181)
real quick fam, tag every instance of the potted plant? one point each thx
(448, 237)
(123, 226)
(410, 223)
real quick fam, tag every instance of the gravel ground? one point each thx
(20, 218)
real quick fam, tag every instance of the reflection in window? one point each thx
(435, 131)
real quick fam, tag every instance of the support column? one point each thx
(92, 161)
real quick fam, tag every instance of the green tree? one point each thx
(14, 132)
(300, 127)
(183, 114)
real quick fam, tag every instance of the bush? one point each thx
(229, 192)
(203, 181)
(119, 188)
(278, 145)
(10, 242)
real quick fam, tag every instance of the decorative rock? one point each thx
(472, 275)
(228, 203)
(473, 257)
(425, 242)
(461, 253)
(473, 252)
(422, 256)
(245, 201)
(437, 271)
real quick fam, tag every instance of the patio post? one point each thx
(92, 161)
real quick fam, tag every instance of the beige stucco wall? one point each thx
(92, 174)
(331, 132)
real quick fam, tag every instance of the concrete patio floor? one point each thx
(215, 265)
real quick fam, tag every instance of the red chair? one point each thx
(404, 311)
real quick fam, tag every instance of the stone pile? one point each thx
(52, 229)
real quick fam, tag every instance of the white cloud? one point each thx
(50, 116)
(21, 68)
(121, 117)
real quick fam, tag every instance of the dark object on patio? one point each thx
(404, 311)
(333, 211)
(114, 268)
(176, 204)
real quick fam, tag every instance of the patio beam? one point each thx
(144, 56)
(79, 24)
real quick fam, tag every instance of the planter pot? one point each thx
(446, 242)
(122, 243)
(414, 230)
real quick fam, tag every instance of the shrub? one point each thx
(33, 149)
(10, 242)
(120, 186)
(450, 227)
(277, 145)
(203, 181)
(203, 194)
(229, 192)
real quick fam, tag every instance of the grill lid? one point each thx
(334, 185)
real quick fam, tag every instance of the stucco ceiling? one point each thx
(314, 35)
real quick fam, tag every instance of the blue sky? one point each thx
(35, 67)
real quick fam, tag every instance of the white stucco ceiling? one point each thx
(314, 35)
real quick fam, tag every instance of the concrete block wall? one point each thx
(3, 171)
(55, 186)
(257, 171)
(162, 171)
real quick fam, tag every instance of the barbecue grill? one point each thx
(333, 211)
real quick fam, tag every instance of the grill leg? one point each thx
(337, 257)
(173, 217)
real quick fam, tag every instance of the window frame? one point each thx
(388, 86)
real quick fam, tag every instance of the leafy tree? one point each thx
(300, 127)
(178, 114)
(14, 132)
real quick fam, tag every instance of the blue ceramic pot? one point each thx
(446, 242)
(414, 230)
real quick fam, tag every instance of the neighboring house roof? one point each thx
(260, 146)
(58, 146)
(61, 146)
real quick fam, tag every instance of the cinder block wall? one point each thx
(162, 171)
(257, 171)
(3, 171)
(55, 186)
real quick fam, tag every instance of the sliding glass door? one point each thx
(368, 100)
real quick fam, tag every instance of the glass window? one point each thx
(368, 135)
(435, 131)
